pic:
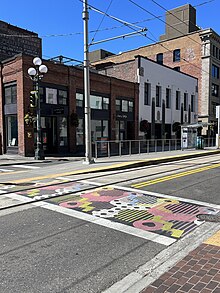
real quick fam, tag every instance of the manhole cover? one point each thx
(209, 218)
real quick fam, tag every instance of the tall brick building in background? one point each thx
(186, 48)
(15, 40)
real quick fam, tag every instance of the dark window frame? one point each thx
(215, 71)
(147, 93)
(12, 97)
(159, 57)
(177, 100)
(168, 98)
(62, 100)
(79, 102)
(192, 103)
(176, 55)
(158, 95)
(185, 102)
(215, 90)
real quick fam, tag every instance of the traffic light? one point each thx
(33, 99)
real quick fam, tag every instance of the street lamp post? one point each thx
(88, 144)
(36, 73)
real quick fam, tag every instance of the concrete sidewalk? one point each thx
(116, 162)
(199, 271)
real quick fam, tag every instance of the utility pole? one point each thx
(87, 109)
(218, 134)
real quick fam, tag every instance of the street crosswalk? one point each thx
(15, 168)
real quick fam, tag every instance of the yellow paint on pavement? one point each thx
(214, 240)
(174, 176)
(14, 172)
(113, 166)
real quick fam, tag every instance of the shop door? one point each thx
(49, 134)
(54, 134)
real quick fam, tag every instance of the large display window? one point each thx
(12, 130)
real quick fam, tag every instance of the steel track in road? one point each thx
(4, 191)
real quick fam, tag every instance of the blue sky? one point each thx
(60, 25)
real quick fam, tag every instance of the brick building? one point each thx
(186, 48)
(62, 103)
(15, 40)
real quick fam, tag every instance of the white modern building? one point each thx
(166, 97)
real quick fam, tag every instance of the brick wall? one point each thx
(190, 48)
(15, 40)
(70, 77)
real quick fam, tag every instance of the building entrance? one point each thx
(54, 134)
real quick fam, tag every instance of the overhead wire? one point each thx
(76, 33)
(141, 7)
(96, 31)
(173, 28)
(92, 31)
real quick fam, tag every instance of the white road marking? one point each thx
(6, 170)
(25, 166)
(99, 221)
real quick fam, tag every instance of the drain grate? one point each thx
(209, 218)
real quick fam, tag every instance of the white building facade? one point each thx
(167, 98)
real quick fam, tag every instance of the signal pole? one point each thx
(87, 109)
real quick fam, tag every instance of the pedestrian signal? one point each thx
(33, 99)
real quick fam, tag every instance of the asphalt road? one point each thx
(45, 251)
(57, 246)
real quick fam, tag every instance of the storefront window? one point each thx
(79, 100)
(105, 103)
(124, 106)
(62, 123)
(122, 125)
(11, 94)
(99, 129)
(105, 128)
(118, 105)
(12, 130)
(120, 130)
(96, 129)
(51, 96)
(95, 102)
(80, 133)
(130, 106)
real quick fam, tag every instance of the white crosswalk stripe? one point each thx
(6, 170)
(25, 166)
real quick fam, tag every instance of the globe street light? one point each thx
(36, 73)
